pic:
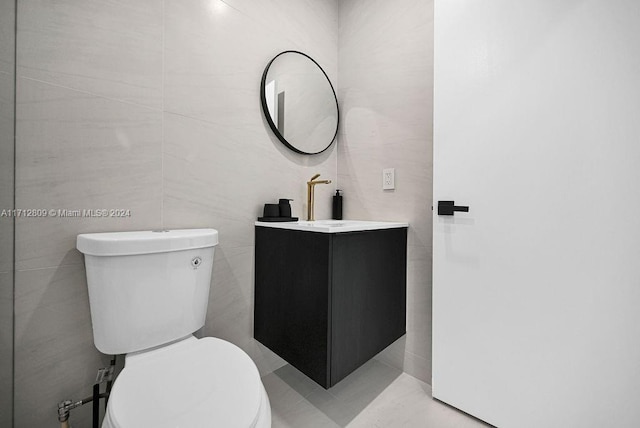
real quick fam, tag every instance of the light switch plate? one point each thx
(388, 179)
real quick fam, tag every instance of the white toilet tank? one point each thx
(147, 288)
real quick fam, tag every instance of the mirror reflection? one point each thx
(299, 102)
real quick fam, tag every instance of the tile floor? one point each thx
(375, 395)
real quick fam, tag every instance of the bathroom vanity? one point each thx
(329, 294)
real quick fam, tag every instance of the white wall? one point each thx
(385, 92)
(152, 106)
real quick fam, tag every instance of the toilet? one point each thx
(148, 293)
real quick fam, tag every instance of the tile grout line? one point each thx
(50, 267)
(162, 134)
(14, 177)
(81, 91)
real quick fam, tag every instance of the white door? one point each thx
(536, 290)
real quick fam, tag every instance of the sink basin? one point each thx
(326, 223)
(333, 226)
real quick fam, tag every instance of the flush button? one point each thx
(196, 262)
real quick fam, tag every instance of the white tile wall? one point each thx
(7, 39)
(6, 168)
(81, 151)
(153, 106)
(385, 92)
(112, 49)
(7, 82)
(6, 347)
(54, 357)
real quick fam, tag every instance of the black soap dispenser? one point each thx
(285, 207)
(337, 205)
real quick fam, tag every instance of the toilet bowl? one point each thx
(192, 383)
(148, 294)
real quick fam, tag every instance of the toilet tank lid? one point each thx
(145, 242)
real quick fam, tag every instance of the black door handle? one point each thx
(448, 208)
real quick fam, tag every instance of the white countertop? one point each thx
(333, 226)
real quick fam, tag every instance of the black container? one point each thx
(285, 207)
(278, 212)
(337, 206)
(271, 210)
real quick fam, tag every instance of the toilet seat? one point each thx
(192, 383)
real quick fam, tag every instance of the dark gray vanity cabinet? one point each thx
(328, 302)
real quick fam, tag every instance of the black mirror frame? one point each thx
(265, 109)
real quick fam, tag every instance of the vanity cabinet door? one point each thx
(368, 296)
(292, 298)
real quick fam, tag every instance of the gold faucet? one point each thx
(310, 185)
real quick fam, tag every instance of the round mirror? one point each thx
(299, 102)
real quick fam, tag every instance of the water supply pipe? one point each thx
(65, 407)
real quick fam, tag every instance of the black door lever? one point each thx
(448, 208)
